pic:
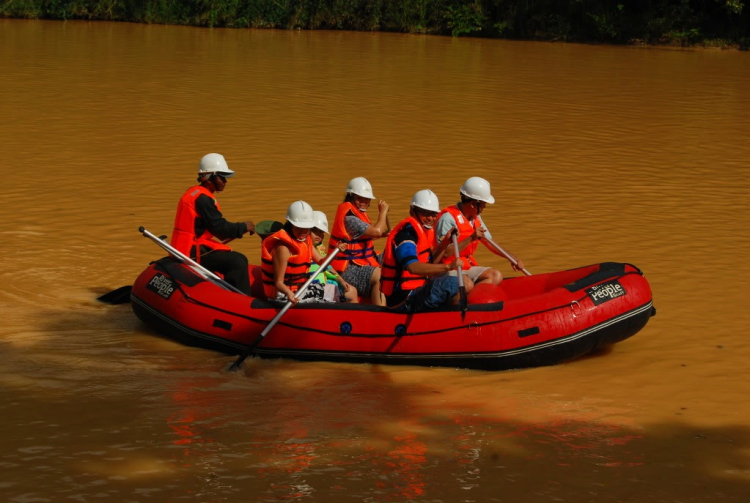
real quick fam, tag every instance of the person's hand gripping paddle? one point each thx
(236, 365)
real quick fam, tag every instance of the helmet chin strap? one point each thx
(302, 239)
(419, 217)
(209, 177)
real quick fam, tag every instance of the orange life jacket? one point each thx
(390, 274)
(183, 235)
(297, 267)
(361, 251)
(465, 231)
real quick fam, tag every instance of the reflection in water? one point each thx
(594, 154)
(403, 470)
(391, 451)
(573, 440)
(195, 410)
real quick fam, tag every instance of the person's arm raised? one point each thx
(380, 228)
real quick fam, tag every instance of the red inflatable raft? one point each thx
(527, 321)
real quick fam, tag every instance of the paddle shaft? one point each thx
(506, 255)
(223, 241)
(195, 266)
(283, 311)
(461, 287)
(122, 295)
(503, 252)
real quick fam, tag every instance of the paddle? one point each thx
(122, 295)
(192, 264)
(267, 227)
(461, 287)
(117, 296)
(503, 252)
(236, 365)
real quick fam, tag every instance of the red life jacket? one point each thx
(390, 275)
(183, 235)
(297, 267)
(361, 251)
(465, 231)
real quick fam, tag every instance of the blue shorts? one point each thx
(434, 294)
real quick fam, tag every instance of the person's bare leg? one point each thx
(352, 295)
(490, 276)
(468, 283)
(378, 299)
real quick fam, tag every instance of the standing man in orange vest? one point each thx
(464, 216)
(199, 223)
(409, 280)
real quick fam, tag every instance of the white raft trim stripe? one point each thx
(499, 354)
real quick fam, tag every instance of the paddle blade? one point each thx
(267, 227)
(463, 301)
(234, 367)
(118, 296)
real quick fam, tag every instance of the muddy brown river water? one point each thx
(595, 154)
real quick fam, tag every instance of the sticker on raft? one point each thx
(161, 285)
(606, 291)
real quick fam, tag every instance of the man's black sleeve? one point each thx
(213, 221)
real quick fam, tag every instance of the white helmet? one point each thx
(361, 187)
(427, 200)
(214, 163)
(300, 214)
(477, 188)
(320, 221)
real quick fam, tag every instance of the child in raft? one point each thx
(336, 289)
(286, 257)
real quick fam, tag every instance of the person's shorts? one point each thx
(359, 277)
(314, 293)
(332, 293)
(473, 272)
(434, 294)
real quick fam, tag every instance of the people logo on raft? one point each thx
(161, 285)
(605, 292)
